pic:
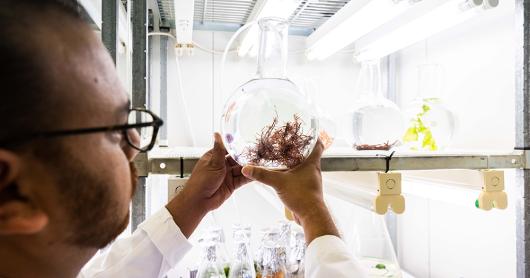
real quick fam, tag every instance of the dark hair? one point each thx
(25, 91)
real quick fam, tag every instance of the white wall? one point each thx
(440, 238)
(478, 60)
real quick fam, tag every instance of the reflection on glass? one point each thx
(268, 121)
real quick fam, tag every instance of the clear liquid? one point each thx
(377, 124)
(439, 120)
(253, 108)
(390, 270)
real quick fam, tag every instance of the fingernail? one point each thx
(247, 171)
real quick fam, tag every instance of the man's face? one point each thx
(87, 180)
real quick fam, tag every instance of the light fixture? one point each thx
(428, 18)
(354, 20)
(460, 194)
(265, 8)
(184, 11)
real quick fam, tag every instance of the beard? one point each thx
(94, 212)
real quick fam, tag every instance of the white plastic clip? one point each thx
(492, 195)
(389, 193)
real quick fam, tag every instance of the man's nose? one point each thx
(134, 138)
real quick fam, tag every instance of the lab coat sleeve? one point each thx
(151, 251)
(328, 256)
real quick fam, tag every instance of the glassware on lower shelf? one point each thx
(242, 266)
(209, 267)
(274, 258)
(217, 235)
(295, 263)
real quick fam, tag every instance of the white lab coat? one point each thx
(158, 245)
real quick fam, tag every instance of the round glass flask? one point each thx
(430, 123)
(377, 121)
(268, 121)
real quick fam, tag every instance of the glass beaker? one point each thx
(209, 267)
(431, 124)
(377, 122)
(268, 121)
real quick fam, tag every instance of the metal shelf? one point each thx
(181, 161)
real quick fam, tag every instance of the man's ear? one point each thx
(18, 214)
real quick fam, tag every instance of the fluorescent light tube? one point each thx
(354, 20)
(448, 14)
(265, 8)
(444, 191)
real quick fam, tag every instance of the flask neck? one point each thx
(429, 81)
(211, 253)
(369, 83)
(272, 57)
(242, 251)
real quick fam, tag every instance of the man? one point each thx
(66, 174)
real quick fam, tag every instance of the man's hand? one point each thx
(212, 181)
(300, 189)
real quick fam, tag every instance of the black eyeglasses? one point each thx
(145, 121)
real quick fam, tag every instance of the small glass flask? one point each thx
(268, 121)
(242, 227)
(268, 235)
(274, 258)
(295, 264)
(285, 237)
(242, 266)
(217, 235)
(209, 267)
(431, 124)
(377, 121)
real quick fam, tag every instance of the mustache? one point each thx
(134, 178)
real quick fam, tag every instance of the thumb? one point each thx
(316, 154)
(218, 152)
(268, 177)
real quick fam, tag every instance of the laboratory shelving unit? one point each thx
(181, 161)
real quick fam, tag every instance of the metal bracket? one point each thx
(525, 158)
(389, 193)
(180, 165)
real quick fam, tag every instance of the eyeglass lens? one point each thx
(146, 133)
